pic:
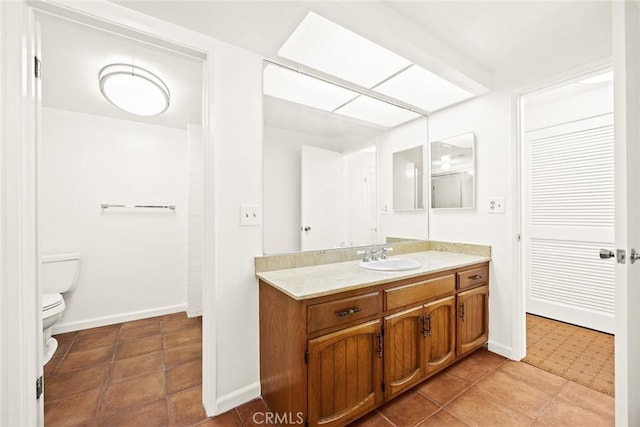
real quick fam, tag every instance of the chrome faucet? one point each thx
(366, 255)
(382, 253)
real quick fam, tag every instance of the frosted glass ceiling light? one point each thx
(134, 89)
(422, 88)
(326, 46)
(375, 111)
(302, 89)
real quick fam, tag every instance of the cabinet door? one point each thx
(440, 326)
(403, 350)
(473, 319)
(345, 374)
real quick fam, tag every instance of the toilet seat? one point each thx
(51, 301)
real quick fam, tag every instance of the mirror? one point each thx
(326, 166)
(408, 179)
(452, 172)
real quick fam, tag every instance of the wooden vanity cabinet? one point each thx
(418, 342)
(329, 360)
(345, 374)
(473, 319)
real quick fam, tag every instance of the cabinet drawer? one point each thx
(420, 291)
(473, 277)
(342, 311)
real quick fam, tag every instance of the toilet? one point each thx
(59, 275)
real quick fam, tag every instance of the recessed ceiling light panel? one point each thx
(375, 111)
(420, 87)
(296, 87)
(134, 89)
(326, 46)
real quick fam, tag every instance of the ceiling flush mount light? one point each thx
(134, 89)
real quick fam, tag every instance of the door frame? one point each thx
(18, 207)
(20, 313)
(519, 332)
(626, 63)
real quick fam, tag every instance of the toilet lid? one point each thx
(51, 300)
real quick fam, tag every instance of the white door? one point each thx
(569, 215)
(322, 210)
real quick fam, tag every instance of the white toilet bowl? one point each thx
(52, 308)
(59, 275)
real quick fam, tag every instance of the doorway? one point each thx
(568, 194)
(114, 186)
(568, 216)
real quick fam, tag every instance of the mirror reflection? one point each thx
(408, 179)
(323, 156)
(452, 172)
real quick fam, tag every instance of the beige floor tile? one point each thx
(514, 393)
(408, 409)
(476, 408)
(561, 413)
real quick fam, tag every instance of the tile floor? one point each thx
(148, 373)
(578, 354)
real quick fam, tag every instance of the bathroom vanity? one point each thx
(337, 341)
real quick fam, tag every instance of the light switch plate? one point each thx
(496, 205)
(250, 215)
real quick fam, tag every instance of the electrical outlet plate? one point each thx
(250, 215)
(496, 205)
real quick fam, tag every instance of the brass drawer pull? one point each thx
(475, 277)
(347, 312)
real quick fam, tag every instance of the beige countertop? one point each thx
(319, 280)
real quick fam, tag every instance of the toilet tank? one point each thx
(59, 272)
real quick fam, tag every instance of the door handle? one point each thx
(606, 254)
(635, 256)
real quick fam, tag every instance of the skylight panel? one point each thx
(375, 111)
(328, 47)
(420, 87)
(302, 89)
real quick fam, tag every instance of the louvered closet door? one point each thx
(569, 216)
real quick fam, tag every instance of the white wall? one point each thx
(541, 112)
(236, 141)
(360, 183)
(408, 224)
(493, 118)
(196, 220)
(489, 117)
(133, 262)
(282, 150)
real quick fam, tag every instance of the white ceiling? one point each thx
(455, 38)
(72, 56)
(498, 33)
(464, 41)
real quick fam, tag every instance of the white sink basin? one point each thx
(391, 264)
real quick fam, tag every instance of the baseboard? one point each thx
(194, 313)
(61, 328)
(237, 397)
(500, 349)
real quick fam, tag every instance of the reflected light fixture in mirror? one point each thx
(303, 89)
(323, 45)
(296, 86)
(134, 89)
